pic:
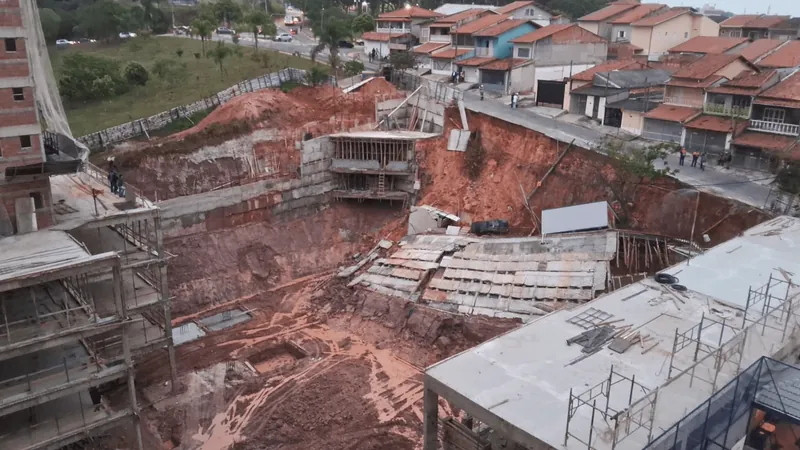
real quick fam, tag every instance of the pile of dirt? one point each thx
(516, 159)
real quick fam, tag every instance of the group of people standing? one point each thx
(115, 180)
(696, 156)
(458, 77)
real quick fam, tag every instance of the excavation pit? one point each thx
(277, 357)
(225, 319)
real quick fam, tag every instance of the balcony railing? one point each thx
(483, 51)
(786, 129)
(722, 110)
(682, 101)
(393, 30)
(440, 38)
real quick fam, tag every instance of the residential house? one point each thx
(786, 56)
(442, 60)
(448, 9)
(610, 87)
(462, 43)
(621, 29)
(774, 128)
(599, 22)
(397, 30)
(659, 32)
(756, 26)
(585, 77)
(438, 30)
(558, 51)
(757, 50)
(726, 110)
(684, 95)
(422, 53)
(507, 75)
(633, 109)
(496, 40)
(789, 29)
(527, 10)
(704, 45)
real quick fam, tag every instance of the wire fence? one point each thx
(142, 127)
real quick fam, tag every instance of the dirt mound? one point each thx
(378, 86)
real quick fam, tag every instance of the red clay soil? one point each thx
(517, 158)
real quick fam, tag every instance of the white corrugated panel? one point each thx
(588, 216)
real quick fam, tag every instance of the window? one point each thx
(685, 34)
(523, 52)
(11, 45)
(25, 142)
(37, 200)
(774, 115)
(18, 93)
(621, 34)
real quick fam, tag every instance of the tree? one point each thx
(362, 24)
(317, 75)
(87, 77)
(402, 60)
(633, 166)
(258, 20)
(227, 11)
(203, 29)
(51, 22)
(136, 74)
(133, 19)
(101, 20)
(353, 68)
(169, 70)
(218, 54)
(334, 28)
(334, 61)
(788, 178)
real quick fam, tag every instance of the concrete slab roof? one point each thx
(523, 380)
(396, 134)
(588, 216)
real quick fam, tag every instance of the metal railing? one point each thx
(445, 38)
(393, 30)
(683, 101)
(786, 129)
(723, 110)
(483, 51)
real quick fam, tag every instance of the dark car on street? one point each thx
(223, 30)
(489, 227)
(345, 44)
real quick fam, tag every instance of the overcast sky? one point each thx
(784, 7)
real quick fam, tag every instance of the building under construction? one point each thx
(79, 303)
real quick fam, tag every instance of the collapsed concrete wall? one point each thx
(421, 111)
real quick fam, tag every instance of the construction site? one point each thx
(299, 271)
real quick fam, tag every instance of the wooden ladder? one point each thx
(381, 184)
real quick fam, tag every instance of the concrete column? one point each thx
(26, 215)
(164, 291)
(431, 420)
(126, 351)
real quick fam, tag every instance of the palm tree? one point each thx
(202, 28)
(259, 19)
(333, 31)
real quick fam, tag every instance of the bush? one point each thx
(197, 56)
(179, 52)
(88, 77)
(353, 67)
(169, 70)
(788, 178)
(136, 74)
(316, 76)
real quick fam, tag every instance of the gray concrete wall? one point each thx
(434, 119)
(546, 54)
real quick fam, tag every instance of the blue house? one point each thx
(495, 41)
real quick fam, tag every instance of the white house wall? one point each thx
(523, 78)
(381, 47)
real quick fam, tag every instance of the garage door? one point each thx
(710, 142)
(550, 92)
(662, 131)
(494, 80)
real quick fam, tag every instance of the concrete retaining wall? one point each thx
(434, 119)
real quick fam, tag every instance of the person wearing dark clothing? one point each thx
(695, 155)
(703, 161)
(481, 89)
(682, 156)
(112, 180)
(120, 186)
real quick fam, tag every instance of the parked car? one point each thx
(283, 37)
(359, 42)
(489, 227)
(127, 34)
(63, 43)
(183, 29)
(345, 44)
(85, 41)
(224, 30)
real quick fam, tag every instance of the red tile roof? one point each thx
(786, 93)
(766, 21)
(770, 142)
(567, 33)
(737, 21)
(661, 17)
(759, 48)
(459, 16)
(708, 44)
(513, 6)
(705, 66)
(381, 37)
(746, 83)
(505, 64)
(607, 12)
(715, 123)
(428, 47)
(480, 24)
(672, 113)
(588, 75)
(450, 53)
(500, 28)
(638, 13)
(784, 57)
(690, 83)
(476, 61)
(414, 12)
